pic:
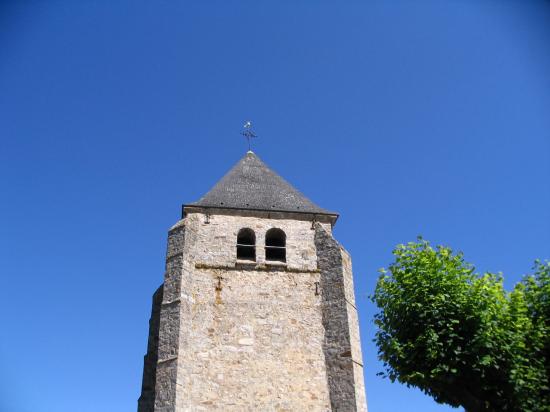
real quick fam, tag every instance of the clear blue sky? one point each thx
(424, 117)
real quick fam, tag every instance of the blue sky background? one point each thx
(424, 117)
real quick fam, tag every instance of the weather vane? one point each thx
(248, 133)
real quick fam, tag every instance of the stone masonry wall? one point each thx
(342, 345)
(255, 339)
(170, 322)
(241, 336)
(146, 402)
(353, 328)
(256, 342)
(216, 240)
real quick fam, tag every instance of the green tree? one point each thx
(461, 337)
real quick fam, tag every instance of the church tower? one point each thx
(257, 309)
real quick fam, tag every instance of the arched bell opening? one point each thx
(275, 245)
(246, 245)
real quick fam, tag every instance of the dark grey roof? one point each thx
(250, 184)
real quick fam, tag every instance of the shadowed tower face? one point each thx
(257, 309)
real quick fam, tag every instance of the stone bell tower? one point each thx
(257, 309)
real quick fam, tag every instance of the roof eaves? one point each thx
(302, 212)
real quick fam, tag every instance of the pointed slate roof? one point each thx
(250, 184)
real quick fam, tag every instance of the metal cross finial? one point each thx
(248, 133)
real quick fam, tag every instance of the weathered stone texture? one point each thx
(256, 342)
(342, 346)
(238, 336)
(216, 241)
(170, 320)
(146, 402)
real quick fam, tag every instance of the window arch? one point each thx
(246, 244)
(275, 245)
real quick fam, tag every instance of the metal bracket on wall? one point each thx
(316, 288)
(313, 223)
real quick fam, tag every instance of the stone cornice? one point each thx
(261, 267)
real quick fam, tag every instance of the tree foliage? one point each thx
(461, 337)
